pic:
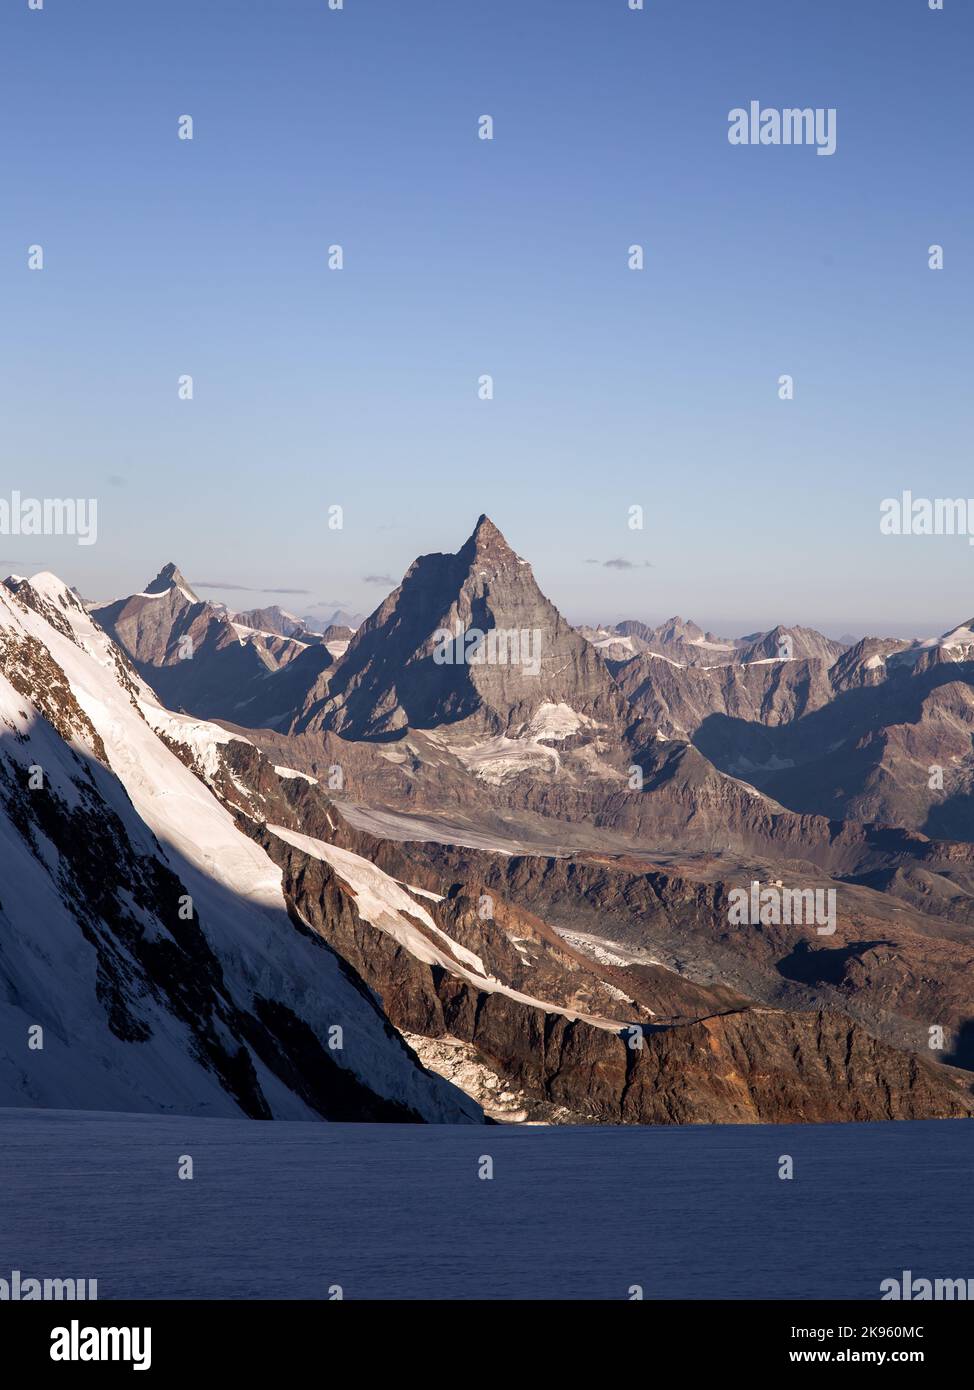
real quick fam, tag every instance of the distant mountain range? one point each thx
(498, 851)
(784, 710)
(687, 645)
(880, 731)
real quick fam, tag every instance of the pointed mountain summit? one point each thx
(468, 637)
(198, 659)
(340, 618)
(170, 577)
(486, 543)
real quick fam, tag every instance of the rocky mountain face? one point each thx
(787, 644)
(881, 733)
(679, 700)
(468, 639)
(199, 658)
(151, 959)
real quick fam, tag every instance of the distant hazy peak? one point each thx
(170, 577)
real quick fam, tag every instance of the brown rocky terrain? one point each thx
(604, 997)
(882, 733)
(747, 1065)
(607, 810)
(197, 658)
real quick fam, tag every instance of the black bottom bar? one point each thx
(570, 1338)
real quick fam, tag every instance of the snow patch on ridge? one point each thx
(202, 738)
(382, 901)
(290, 773)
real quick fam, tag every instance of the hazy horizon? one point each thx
(306, 604)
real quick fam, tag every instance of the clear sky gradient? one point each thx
(509, 257)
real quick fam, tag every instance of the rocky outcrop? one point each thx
(666, 1049)
(895, 970)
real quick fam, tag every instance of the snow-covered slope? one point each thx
(385, 903)
(142, 930)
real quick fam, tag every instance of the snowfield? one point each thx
(495, 759)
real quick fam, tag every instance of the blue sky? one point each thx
(462, 257)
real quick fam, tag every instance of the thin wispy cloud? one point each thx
(242, 588)
(379, 579)
(620, 564)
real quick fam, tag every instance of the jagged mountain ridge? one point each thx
(198, 657)
(683, 643)
(858, 738)
(277, 622)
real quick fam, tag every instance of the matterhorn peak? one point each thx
(485, 531)
(486, 543)
(524, 657)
